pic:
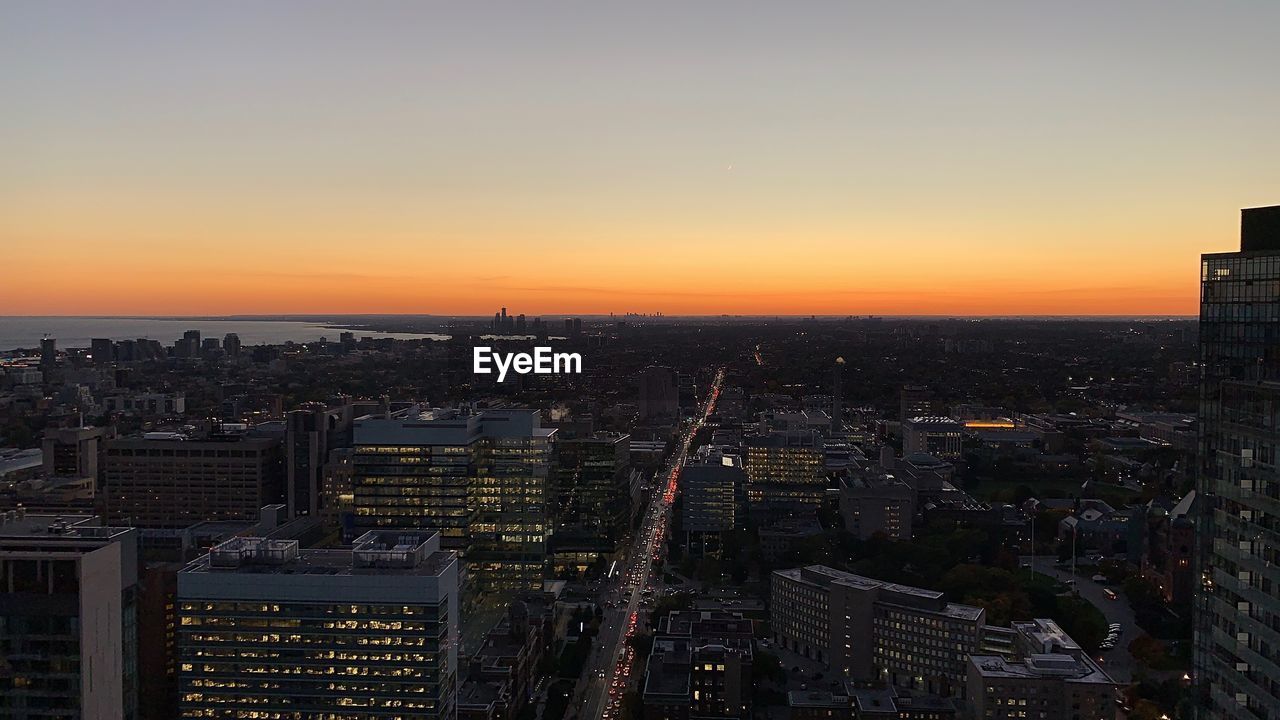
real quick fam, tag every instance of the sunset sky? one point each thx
(831, 158)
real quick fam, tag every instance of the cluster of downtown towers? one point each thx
(449, 513)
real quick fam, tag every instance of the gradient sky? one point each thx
(888, 157)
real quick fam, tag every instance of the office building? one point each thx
(1049, 677)
(914, 401)
(68, 632)
(48, 353)
(786, 472)
(1236, 603)
(73, 452)
(936, 436)
(589, 499)
(312, 433)
(711, 485)
(165, 480)
(479, 478)
(231, 345)
(872, 630)
(268, 630)
(658, 394)
(876, 503)
(102, 350)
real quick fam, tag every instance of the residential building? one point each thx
(699, 667)
(1236, 603)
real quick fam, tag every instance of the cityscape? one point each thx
(550, 361)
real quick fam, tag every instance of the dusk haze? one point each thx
(410, 360)
(887, 158)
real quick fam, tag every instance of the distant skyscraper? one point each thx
(837, 395)
(48, 353)
(231, 344)
(102, 350)
(68, 632)
(1237, 606)
(267, 630)
(915, 401)
(659, 397)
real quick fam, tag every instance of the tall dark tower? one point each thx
(837, 395)
(1236, 602)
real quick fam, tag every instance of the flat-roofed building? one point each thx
(711, 484)
(786, 472)
(1049, 677)
(268, 630)
(877, 503)
(868, 629)
(165, 480)
(589, 499)
(479, 478)
(68, 618)
(940, 437)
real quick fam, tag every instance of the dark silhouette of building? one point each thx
(1236, 603)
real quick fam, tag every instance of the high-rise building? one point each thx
(478, 477)
(312, 432)
(658, 394)
(1236, 604)
(68, 634)
(914, 401)
(231, 345)
(786, 472)
(712, 485)
(268, 630)
(73, 452)
(102, 350)
(164, 480)
(48, 353)
(588, 499)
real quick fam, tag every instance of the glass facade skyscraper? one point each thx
(1237, 608)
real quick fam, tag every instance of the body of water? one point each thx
(76, 332)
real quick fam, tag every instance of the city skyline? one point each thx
(717, 159)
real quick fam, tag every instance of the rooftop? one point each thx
(15, 524)
(892, 593)
(374, 553)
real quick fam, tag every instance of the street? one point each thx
(1117, 662)
(612, 663)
